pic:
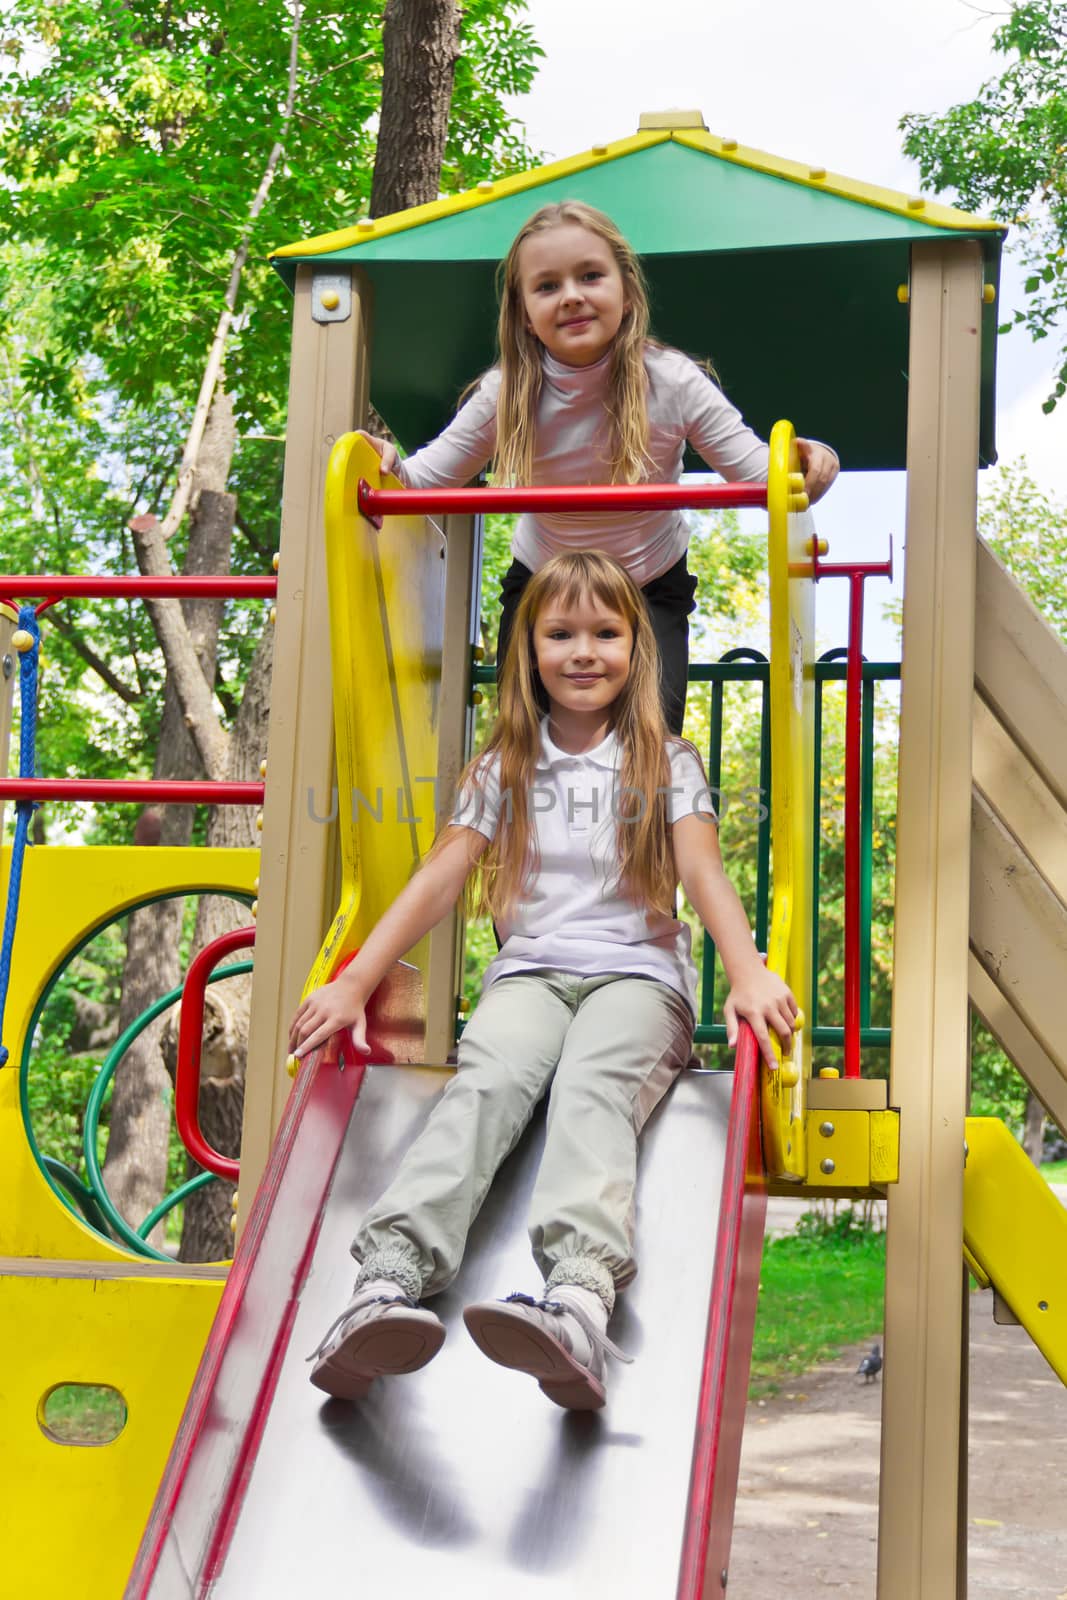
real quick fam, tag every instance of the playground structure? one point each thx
(402, 603)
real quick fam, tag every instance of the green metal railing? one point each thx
(744, 666)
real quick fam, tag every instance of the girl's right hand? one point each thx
(327, 1011)
(385, 448)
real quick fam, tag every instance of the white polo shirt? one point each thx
(572, 916)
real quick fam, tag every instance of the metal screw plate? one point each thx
(330, 284)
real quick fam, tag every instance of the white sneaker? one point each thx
(558, 1344)
(381, 1331)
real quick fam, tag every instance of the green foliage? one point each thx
(821, 1287)
(132, 143)
(1005, 153)
(1027, 529)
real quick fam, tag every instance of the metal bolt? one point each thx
(722, 1577)
(1042, 1305)
(827, 1166)
(826, 1129)
(9, 666)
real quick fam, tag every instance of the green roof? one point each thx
(785, 277)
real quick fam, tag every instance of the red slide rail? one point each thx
(728, 1347)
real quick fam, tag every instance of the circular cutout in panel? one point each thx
(82, 1414)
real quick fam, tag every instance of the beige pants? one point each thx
(610, 1048)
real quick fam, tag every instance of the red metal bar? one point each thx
(190, 1034)
(856, 572)
(376, 503)
(853, 741)
(90, 588)
(728, 1346)
(199, 793)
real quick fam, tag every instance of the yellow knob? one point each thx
(789, 1072)
(233, 1223)
(255, 884)
(22, 640)
(254, 908)
(903, 293)
(477, 697)
(233, 1201)
(259, 823)
(485, 187)
(263, 769)
(276, 560)
(829, 1072)
(479, 653)
(463, 1005)
(799, 1021)
(273, 615)
(292, 1065)
(817, 547)
(330, 299)
(798, 502)
(989, 293)
(796, 482)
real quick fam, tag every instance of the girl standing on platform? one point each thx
(577, 827)
(582, 394)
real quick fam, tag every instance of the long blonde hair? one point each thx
(521, 352)
(646, 860)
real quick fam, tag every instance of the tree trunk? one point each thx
(420, 45)
(1034, 1129)
(206, 1234)
(135, 1169)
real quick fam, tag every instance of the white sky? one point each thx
(826, 82)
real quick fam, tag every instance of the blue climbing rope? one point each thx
(24, 809)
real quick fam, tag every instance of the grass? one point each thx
(1054, 1172)
(821, 1288)
(84, 1413)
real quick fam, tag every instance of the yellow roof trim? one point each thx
(483, 194)
(917, 207)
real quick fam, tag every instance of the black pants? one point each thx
(669, 599)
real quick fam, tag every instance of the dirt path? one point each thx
(807, 1507)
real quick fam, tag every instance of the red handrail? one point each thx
(376, 503)
(81, 586)
(190, 1035)
(176, 791)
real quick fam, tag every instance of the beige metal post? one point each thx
(297, 892)
(919, 1555)
(463, 563)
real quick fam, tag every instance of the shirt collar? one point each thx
(576, 380)
(605, 755)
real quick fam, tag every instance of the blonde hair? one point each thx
(646, 860)
(521, 352)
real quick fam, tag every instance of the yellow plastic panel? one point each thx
(792, 682)
(386, 638)
(1015, 1232)
(73, 1514)
(66, 894)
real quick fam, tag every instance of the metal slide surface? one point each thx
(460, 1480)
(463, 1479)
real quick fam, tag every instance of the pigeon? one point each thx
(871, 1365)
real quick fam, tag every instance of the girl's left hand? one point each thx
(821, 467)
(766, 1003)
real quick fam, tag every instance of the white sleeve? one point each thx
(718, 431)
(478, 804)
(690, 793)
(462, 450)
